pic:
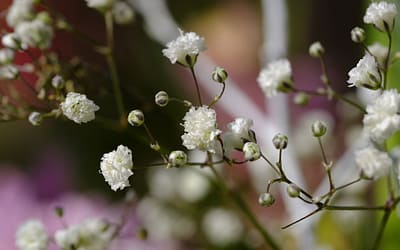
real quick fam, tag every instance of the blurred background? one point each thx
(57, 163)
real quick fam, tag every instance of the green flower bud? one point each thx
(316, 50)
(136, 118)
(35, 118)
(293, 191)
(266, 199)
(251, 151)
(318, 128)
(357, 35)
(57, 82)
(280, 141)
(219, 75)
(301, 99)
(177, 159)
(162, 98)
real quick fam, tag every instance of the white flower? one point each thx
(8, 72)
(316, 50)
(31, 235)
(35, 118)
(100, 4)
(238, 130)
(123, 13)
(185, 49)
(36, 34)
(200, 129)
(6, 56)
(276, 76)
(251, 151)
(222, 227)
(12, 41)
(20, 11)
(91, 234)
(372, 162)
(379, 52)
(381, 15)
(116, 167)
(193, 184)
(365, 74)
(78, 108)
(382, 118)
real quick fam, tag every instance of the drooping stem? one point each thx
(109, 54)
(216, 99)
(386, 66)
(196, 83)
(382, 227)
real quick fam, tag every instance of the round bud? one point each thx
(57, 82)
(316, 50)
(7, 55)
(293, 191)
(301, 99)
(177, 158)
(35, 118)
(123, 13)
(318, 128)
(280, 141)
(219, 75)
(357, 35)
(266, 199)
(251, 151)
(162, 98)
(136, 118)
(45, 17)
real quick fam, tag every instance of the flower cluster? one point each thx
(365, 74)
(276, 76)
(381, 15)
(78, 108)
(32, 235)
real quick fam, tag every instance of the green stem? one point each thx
(216, 99)
(197, 86)
(352, 208)
(113, 68)
(385, 70)
(382, 227)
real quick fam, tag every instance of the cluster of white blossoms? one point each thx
(78, 108)
(91, 234)
(381, 15)
(276, 76)
(365, 74)
(20, 11)
(36, 34)
(32, 235)
(185, 49)
(200, 126)
(237, 133)
(382, 118)
(372, 162)
(116, 167)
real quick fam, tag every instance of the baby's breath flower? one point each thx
(101, 5)
(293, 190)
(380, 53)
(238, 133)
(93, 234)
(185, 49)
(36, 33)
(20, 11)
(200, 127)
(266, 199)
(6, 56)
(219, 75)
(57, 82)
(251, 151)
(35, 118)
(8, 72)
(32, 235)
(357, 35)
(12, 41)
(116, 167)
(161, 98)
(280, 141)
(123, 13)
(177, 158)
(382, 118)
(276, 76)
(78, 108)
(372, 162)
(316, 50)
(381, 15)
(365, 74)
(318, 128)
(136, 118)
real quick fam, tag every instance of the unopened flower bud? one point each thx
(266, 199)
(357, 35)
(142, 233)
(6, 55)
(136, 117)
(35, 118)
(280, 141)
(318, 128)
(177, 158)
(162, 98)
(123, 13)
(57, 82)
(155, 146)
(316, 50)
(301, 99)
(293, 190)
(251, 151)
(59, 211)
(219, 75)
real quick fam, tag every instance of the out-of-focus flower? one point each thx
(316, 50)
(123, 13)
(365, 74)
(12, 41)
(20, 11)
(200, 127)
(372, 162)
(116, 167)
(381, 15)
(32, 235)
(237, 134)
(193, 184)
(8, 72)
(101, 5)
(185, 49)
(222, 227)
(94, 234)
(177, 158)
(275, 77)
(35, 118)
(380, 53)
(251, 151)
(357, 34)
(78, 108)
(36, 33)
(6, 55)
(382, 118)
